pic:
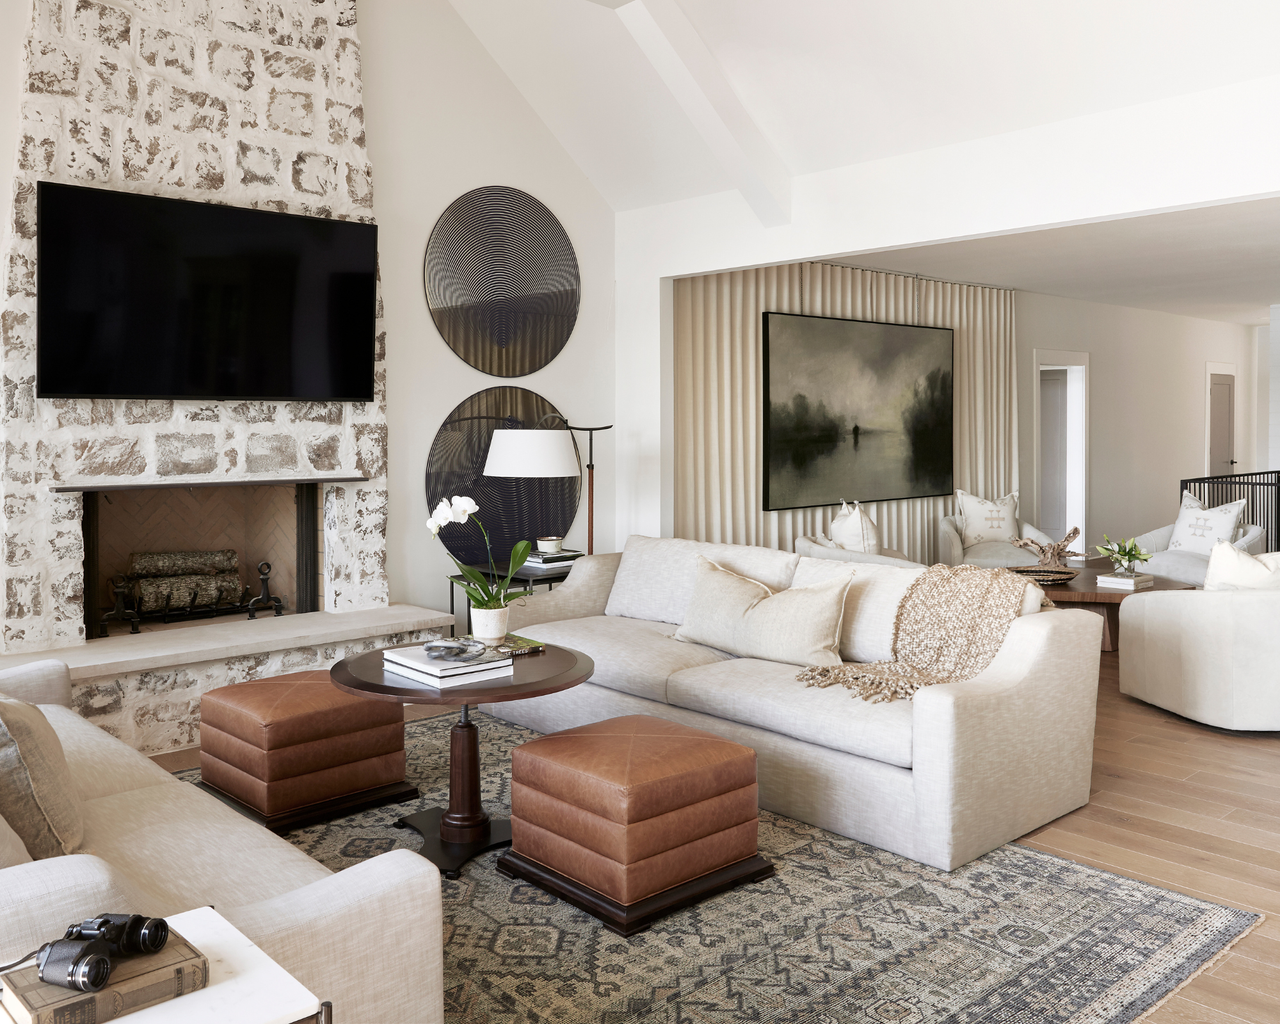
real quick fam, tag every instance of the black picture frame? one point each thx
(854, 432)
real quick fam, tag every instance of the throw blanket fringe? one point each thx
(950, 624)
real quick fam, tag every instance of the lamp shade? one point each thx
(530, 453)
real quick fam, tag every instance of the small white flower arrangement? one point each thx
(1125, 555)
(485, 594)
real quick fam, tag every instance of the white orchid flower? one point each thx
(463, 507)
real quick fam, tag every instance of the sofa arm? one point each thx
(1012, 748)
(369, 938)
(40, 898)
(38, 682)
(951, 550)
(584, 592)
(1209, 656)
(1156, 540)
(1028, 532)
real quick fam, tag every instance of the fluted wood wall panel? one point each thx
(719, 395)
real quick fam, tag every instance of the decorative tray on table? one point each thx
(1046, 574)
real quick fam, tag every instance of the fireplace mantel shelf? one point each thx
(243, 481)
(231, 638)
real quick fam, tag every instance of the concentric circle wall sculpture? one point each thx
(502, 281)
(512, 509)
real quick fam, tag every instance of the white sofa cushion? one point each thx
(766, 694)
(798, 626)
(854, 530)
(191, 850)
(1184, 566)
(634, 656)
(655, 577)
(98, 762)
(1198, 529)
(993, 554)
(1233, 569)
(871, 604)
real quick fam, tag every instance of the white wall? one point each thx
(1147, 403)
(1182, 152)
(443, 119)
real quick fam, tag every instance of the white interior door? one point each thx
(1053, 452)
(1222, 421)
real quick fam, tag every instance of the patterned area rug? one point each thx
(843, 934)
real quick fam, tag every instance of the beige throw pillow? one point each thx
(797, 626)
(854, 530)
(1198, 528)
(1233, 569)
(37, 797)
(985, 520)
(12, 850)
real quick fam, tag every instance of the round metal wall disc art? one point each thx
(512, 508)
(502, 281)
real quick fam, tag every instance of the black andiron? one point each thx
(177, 586)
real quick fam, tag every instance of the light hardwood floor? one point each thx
(1176, 804)
(1196, 809)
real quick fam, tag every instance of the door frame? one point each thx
(1051, 357)
(1209, 370)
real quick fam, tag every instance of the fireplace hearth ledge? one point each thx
(234, 638)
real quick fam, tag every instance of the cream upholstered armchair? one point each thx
(990, 554)
(1190, 566)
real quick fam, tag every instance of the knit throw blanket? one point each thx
(950, 624)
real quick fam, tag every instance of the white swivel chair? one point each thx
(1210, 656)
(989, 554)
(1188, 566)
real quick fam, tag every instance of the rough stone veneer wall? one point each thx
(160, 709)
(242, 102)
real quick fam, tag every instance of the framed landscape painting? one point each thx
(855, 410)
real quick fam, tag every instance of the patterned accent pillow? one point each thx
(985, 520)
(1198, 528)
(854, 530)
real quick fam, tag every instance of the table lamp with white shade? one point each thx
(545, 453)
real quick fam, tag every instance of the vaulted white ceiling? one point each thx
(820, 84)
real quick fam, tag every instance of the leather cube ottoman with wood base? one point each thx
(295, 749)
(632, 818)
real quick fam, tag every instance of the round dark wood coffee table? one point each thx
(452, 836)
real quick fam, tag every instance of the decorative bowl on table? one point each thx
(1045, 574)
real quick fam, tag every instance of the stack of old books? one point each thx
(1138, 581)
(136, 982)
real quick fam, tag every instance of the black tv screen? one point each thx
(142, 297)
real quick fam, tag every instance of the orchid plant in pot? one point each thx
(489, 597)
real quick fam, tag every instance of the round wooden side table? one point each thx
(452, 836)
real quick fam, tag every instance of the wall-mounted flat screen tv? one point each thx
(143, 297)
(855, 410)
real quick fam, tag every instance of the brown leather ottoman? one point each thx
(295, 748)
(634, 817)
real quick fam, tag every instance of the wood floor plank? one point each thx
(1261, 838)
(1180, 1010)
(1256, 946)
(1217, 994)
(1258, 977)
(1211, 793)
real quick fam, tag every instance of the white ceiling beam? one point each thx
(694, 76)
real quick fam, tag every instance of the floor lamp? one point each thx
(546, 453)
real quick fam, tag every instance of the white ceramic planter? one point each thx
(489, 624)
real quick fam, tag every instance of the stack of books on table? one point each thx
(545, 561)
(136, 983)
(414, 663)
(1138, 582)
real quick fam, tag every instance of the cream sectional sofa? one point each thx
(942, 779)
(368, 938)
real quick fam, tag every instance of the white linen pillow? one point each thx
(854, 530)
(871, 604)
(37, 797)
(1198, 529)
(1233, 569)
(982, 520)
(796, 626)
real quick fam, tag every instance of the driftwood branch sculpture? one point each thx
(1052, 556)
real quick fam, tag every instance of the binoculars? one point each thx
(81, 959)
